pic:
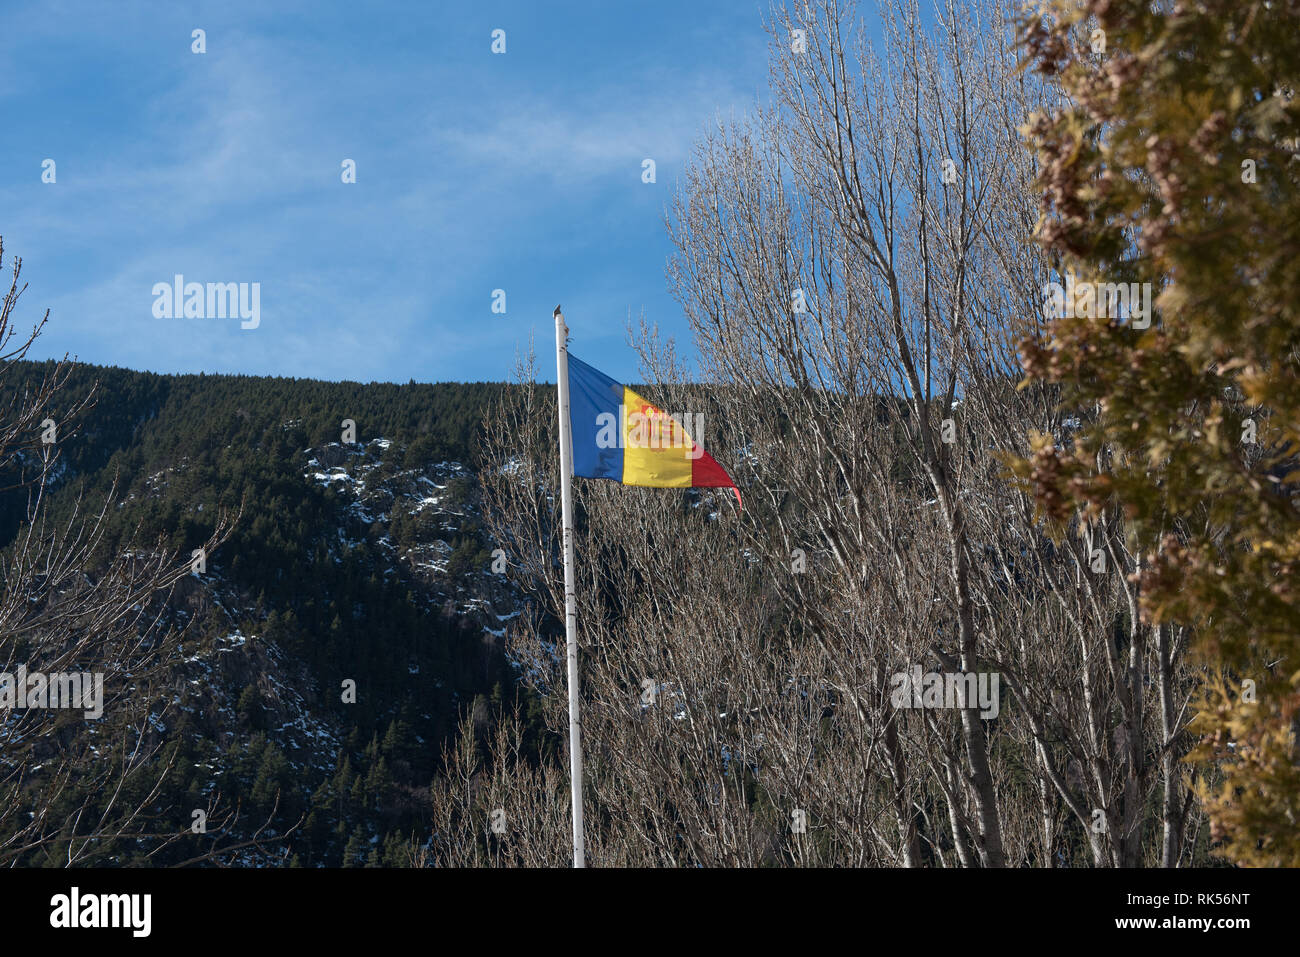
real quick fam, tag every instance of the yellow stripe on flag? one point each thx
(655, 446)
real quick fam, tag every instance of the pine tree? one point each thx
(354, 854)
(249, 708)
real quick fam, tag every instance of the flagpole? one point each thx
(570, 600)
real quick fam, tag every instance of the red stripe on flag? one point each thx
(707, 473)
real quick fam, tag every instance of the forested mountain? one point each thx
(357, 561)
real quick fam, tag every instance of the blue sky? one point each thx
(475, 171)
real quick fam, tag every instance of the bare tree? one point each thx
(87, 623)
(855, 260)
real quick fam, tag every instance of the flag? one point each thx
(618, 435)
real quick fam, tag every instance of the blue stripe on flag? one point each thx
(591, 394)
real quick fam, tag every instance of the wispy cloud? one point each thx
(472, 174)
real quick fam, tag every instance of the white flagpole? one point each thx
(570, 600)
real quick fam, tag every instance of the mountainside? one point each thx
(338, 636)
